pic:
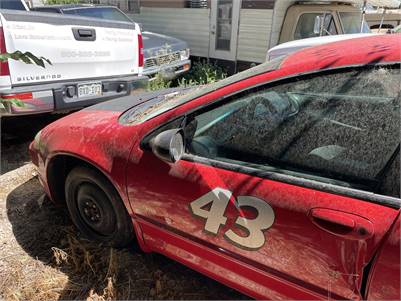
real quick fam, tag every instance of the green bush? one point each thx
(201, 73)
(158, 83)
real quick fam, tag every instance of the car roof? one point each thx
(354, 52)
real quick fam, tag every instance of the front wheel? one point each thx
(96, 208)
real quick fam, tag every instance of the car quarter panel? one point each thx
(385, 277)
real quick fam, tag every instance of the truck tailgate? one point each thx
(78, 47)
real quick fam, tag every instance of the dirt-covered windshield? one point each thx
(173, 99)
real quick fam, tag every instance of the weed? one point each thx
(201, 73)
(158, 83)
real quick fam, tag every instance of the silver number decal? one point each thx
(254, 227)
(219, 199)
(215, 216)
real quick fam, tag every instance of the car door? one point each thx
(286, 190)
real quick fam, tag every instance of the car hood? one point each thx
(107, 114)
(155, 44)
(97, 129)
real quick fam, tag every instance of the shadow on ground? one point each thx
(16, 134)
(46, 234)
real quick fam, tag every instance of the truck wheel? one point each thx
(96, 209)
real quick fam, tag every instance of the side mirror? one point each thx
(318, 25)
(168, 145)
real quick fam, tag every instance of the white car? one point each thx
(289, 47)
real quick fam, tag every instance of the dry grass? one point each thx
(95, 273)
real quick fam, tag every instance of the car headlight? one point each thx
(185, 54)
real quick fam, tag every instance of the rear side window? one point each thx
(343, 126)
(105, 13)
(12, 4)
(46, 9)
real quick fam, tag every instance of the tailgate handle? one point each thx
(84, 34)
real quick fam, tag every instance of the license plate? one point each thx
(88, 90)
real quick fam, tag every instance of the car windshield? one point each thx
(397, 29)
(170, 101)
(106, 13)
(351, 22)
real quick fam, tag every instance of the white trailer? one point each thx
(241, 31)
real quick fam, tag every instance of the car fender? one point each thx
(103, 167)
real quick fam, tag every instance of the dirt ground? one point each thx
(42, 256)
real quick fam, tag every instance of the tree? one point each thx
(27, 58)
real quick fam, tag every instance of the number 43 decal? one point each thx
(219, 198)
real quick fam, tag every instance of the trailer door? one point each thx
(224, 25)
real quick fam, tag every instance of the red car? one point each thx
(282, 182)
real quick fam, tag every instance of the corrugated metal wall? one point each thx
(188, 24)
(192, 26)
(254, 34)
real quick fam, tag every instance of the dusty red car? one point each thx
(282, 182)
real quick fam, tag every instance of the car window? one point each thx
(306, 24)
(342, 126)
(397, 29)
(351, 22)
(46, 9)
(105, 13)
(12, 4)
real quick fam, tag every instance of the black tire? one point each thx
(96, 209)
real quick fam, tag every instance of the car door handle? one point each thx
(332, 217)
(341, 223)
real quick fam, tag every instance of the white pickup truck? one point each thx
(91, 61)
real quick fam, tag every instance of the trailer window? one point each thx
(306, 24)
